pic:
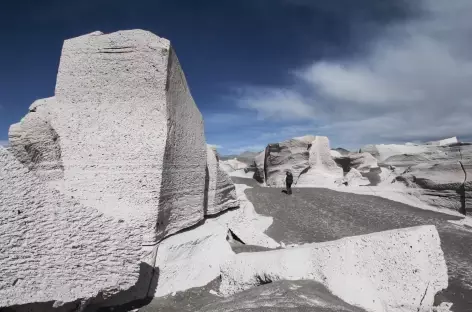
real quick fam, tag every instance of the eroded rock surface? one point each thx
(123, 132)
(55, 249)
(122, 149)
(365, 271)
(36, 144)
(308, 158)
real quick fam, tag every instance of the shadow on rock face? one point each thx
(137, 296)
(141, 294)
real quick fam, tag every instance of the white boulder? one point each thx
(192, 258)
(322, 168)
(444, 142)
(308, 158)
(130, 136)
(354, 178)
(221, 193)
(231, 165)
(123, 142)
(398, 270)
(55, 249)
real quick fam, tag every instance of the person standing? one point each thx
(288, 182)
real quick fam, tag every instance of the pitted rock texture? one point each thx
(364, 271)
(54, 248)
(130, 137)
(221, 191)
(36, 144)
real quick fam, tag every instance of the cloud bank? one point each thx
(414, 83)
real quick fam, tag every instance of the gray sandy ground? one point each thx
(317, 215)
(281, 296)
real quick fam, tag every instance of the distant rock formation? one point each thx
(308, 158)
(259, 167)
(364, 271)
(438, 173)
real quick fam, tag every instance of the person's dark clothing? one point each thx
(288, 183)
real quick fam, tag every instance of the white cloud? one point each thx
(278, 104)
(3, 143)
(414, 83)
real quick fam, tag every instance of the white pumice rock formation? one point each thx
(55, 249)
(259, 167)
(308, 158)
(101, 173)
(220, 193)
(384, 151)
(231, 165)
(397, 270)
(364, 162)
(35, 143)
(321, 165)
(440, 184)
(194, 257)
(354, 178)
(444, 142)
(124, 132)
(290, 155)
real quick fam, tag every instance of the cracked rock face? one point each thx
(364, 271)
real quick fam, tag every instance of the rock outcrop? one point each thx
(123, 133)
(292, 155)
(364, 271)
(259, 167)
(55, 249)
(36, 144)
(101, 173)
(194, 257)
(308, 158)
(354, 178)
(438, 173)
(440, 184)
(221, 193)
(191, 259)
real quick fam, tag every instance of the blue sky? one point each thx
(261, 71)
